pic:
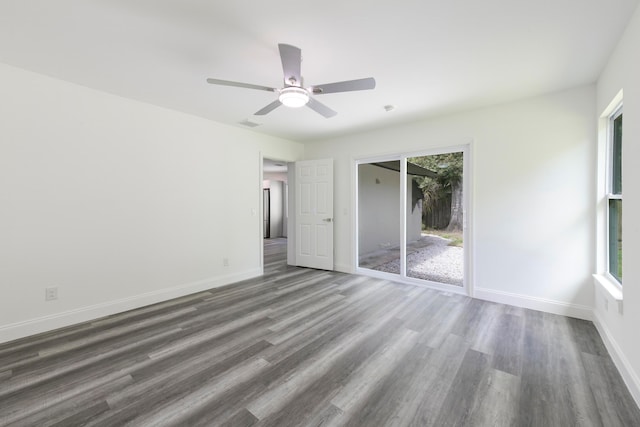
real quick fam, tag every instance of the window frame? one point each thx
(609, 192)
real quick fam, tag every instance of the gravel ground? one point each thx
(431, 259)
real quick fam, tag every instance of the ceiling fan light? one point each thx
(294, 97)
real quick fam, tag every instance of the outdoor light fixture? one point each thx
(294, 96)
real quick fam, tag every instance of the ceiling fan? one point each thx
(294, 94)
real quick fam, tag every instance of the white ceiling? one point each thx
(428, 57)
(270, 165)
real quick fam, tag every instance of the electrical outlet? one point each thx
(225, 262)
(51, 294)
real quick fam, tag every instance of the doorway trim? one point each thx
(467, 188)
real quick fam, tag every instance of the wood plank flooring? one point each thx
(301, 347)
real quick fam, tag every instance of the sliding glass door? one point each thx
(411, 217)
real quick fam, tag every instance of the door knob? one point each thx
(328, 219)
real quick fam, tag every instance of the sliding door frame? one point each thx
(467, 229)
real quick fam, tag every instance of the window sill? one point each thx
(609, 288)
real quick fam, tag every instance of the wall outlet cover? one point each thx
(51, 294)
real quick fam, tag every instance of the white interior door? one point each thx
(314, 213)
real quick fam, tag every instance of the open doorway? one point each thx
(411, 218)
(274, 211)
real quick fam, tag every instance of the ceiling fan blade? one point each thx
(291, 57)
(238, 84)
(319, 107)
(269, 108)
(346, 86)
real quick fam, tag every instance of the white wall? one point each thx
(275, 176)
(379, 204)
(532, 182)
(117, 203)
(620, 330)
(379, 215)
(277, 208)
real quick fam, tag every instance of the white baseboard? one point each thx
(59, 320)
(541, 304)
(629, 376)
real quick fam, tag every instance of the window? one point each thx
(614, 195)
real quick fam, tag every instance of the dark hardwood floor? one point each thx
(301, 347)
